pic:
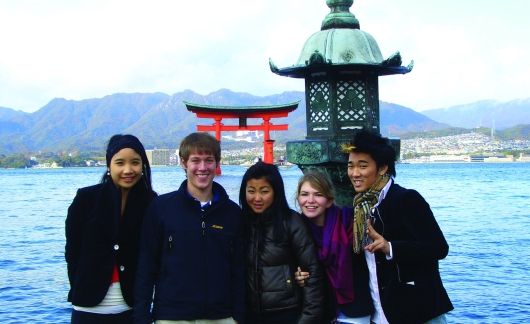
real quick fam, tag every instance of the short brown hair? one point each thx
(199, 142)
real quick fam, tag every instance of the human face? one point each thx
(313, 203)
(363, 171)
(200, 171)
(125, 168)
(259, 195)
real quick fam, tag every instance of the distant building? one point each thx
(90, 163)
(499, 158)
(162, 157)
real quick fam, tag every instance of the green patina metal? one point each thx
(340, 15)
(341, 65)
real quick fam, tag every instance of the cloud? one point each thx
(463, 50)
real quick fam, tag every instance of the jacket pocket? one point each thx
(276, 278)
(401, 302)
(279, 291)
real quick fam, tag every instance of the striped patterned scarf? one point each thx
(362, 204)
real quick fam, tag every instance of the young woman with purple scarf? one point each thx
(331, 227)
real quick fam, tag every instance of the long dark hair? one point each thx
(279, 208)
(118, 142)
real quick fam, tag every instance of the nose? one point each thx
(202, 165)
(311, 198)
(355, 172)
(127, 168)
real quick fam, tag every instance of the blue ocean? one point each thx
(483, 210)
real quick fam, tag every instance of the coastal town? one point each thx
(470, 147)
(463, 148)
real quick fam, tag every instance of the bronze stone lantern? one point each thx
(341, 65)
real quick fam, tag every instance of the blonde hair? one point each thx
(318, 180)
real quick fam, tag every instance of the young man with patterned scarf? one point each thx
(396, 230)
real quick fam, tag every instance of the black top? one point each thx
(97, 239)
(271, 266)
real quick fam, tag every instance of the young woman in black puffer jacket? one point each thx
(278, 241)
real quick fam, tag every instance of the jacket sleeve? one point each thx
(426, 241)
(74, 234)
(306, 256)
(148, 266)
(238, 273)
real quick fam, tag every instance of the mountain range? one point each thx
(162, 120)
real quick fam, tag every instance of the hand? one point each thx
(300, 277)
(379, 243)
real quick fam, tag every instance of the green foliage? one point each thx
(518, 132)
(19, 160)
(15, 161)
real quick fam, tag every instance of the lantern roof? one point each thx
(341, 46)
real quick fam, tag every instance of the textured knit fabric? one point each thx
(363, 203)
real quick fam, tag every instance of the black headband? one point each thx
(119, 142)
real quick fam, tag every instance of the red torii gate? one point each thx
(266, 113)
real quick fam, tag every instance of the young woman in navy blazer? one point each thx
(102, 235)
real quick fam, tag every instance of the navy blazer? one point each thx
(97, 239)
(410, 286)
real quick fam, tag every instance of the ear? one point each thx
(329, 203)
(382, 170)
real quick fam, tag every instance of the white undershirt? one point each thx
(378, 316)
(113, 303)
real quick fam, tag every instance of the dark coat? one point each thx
(271, 266)
(410, 286)
(97, 239)
(192, 257)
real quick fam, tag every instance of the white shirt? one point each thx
(113, 303)
(378, 316)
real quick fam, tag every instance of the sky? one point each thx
(463, 50)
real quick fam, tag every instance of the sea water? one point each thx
(483, 210)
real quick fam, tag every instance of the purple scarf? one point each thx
(334, 242)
